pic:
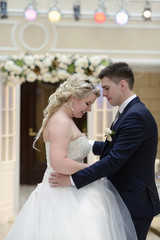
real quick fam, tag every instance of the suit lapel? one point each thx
(116, 125)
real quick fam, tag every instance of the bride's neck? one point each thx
(66, 110)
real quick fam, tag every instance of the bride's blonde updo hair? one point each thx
(77, 85)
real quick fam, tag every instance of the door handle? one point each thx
(31, 133)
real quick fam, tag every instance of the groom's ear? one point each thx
(123, 84)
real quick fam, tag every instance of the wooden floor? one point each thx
(154, 233)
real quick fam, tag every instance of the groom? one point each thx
(128, 160)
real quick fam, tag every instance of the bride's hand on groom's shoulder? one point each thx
(59, 180)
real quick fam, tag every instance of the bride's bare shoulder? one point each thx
(58, 122)
(57, 125)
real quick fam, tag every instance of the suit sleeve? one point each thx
(125, 142)
(97, 147)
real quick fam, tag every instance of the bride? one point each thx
(94, 212)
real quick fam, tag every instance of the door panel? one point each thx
(34, 98)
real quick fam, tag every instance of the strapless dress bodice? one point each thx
(78, 149)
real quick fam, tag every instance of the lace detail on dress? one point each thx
(79, 149)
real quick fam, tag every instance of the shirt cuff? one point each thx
(91, 142)
(71, 179)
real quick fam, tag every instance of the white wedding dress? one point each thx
(94, 212)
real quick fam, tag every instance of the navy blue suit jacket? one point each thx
(128, 160)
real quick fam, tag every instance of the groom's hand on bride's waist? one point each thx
(59, 180)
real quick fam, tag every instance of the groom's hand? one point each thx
(59, 180)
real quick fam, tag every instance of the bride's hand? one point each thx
(59, 180)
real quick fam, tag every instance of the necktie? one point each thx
(116, 117)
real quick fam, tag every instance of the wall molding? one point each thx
(13, 41)
(109, 25)
(14, 23)
(43, 45)
(105, 51)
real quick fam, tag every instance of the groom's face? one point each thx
(111, 91)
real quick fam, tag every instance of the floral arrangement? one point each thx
(108, 134)
(51, 68)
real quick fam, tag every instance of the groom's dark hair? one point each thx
(117, 72)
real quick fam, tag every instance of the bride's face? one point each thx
(84, 105)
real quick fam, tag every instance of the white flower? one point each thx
(54, 80)
(91, 67)
(44, 70)
(25, 67)
(47, 77)
(27, 71)
(108, 134)
(99, 68)
(54, 73)
(17, 70)
(9, 65)
(39, 64)
(62, 74)
(95, 60)
(62, 65)
(39, 77)
(81, 62)
(95, 74)
(39, 57)
(79, 70)
(32, 66)
(29, 60)
(47, 61)
(31, 77)
(64, 59)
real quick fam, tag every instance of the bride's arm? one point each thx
(59, 138)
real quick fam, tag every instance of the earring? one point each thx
(69, 105)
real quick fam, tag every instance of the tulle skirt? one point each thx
(94, 212)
